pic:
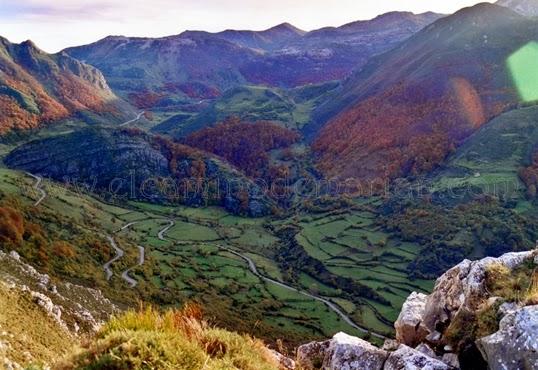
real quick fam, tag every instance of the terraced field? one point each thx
(350, 245)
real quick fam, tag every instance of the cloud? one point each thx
(45, 10)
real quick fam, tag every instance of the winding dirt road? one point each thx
(37, 187)
(133, 120)
(127, 226)
(125, 275)
(324, 300)
(161, 233)
(119, 254)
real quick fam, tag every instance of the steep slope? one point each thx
(407, 109)
(37, 88)
(166, 65)
(42, 317)
(131, 164)
(528, 8)
(494, 155)
(167, 68)
(332, 53)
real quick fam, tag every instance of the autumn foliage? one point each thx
(529, 176)
(37, 88)
(11, 226)
(401, 131)
(245, 145)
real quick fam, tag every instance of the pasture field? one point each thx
(192, 262)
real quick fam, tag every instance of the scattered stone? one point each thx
(424, 348)
(434, 337)
(15, 255)
(407, 358)
(310, 356)
(285, 363)
(342, 352)
(507, 308)
(451, 359)
(390, 345)
(351, 353)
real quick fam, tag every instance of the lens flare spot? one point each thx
(523, 66)
(469, 101)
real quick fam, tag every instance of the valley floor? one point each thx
(207, 255)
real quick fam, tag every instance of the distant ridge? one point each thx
(198, 65)
(528, 8)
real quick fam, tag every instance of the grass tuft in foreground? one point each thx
(175, 339)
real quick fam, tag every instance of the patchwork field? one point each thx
(187, 257)
(190, 263)
(350, 245)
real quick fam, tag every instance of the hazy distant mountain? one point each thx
(36, 87)
(528, 8)
(199, 65)
(270, 39)
(407, 109)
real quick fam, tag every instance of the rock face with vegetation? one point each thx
(487, 305)
(481, 314)
(515, 344)
(131, 164)
(40, 317)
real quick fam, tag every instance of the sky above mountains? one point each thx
(54, 25)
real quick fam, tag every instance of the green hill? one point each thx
(494, 154)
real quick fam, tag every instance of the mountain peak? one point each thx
(286, 28)
(29, 44)
(528, 8)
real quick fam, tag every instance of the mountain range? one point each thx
(201, 65)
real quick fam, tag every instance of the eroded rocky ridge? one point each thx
(57, 308)
(132, 165)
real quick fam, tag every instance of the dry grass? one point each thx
(175, 339)
(27, 334)
(519, 285)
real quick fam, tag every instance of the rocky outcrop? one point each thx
(77, 309)
(408, 328)
(460, 289)
(515, 345)
(459, 296)
(426, 324)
